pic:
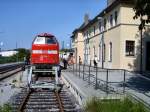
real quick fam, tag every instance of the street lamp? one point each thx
(102, 40)
(17, 52)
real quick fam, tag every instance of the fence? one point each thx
(112, 80)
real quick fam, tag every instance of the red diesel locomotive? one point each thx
(45, 50)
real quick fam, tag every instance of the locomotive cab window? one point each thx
(45, 40)
(39, 40)
(50, 40)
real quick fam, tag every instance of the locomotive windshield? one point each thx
(50, 41)
(45, 40)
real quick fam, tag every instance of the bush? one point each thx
(5, 108)
(126, 105)
(22, 53)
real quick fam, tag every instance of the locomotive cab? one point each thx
(45, 51)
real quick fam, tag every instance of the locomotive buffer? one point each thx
(43, 78)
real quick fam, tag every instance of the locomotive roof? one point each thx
(45, 35)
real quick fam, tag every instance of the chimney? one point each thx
(109, 2)
(86, 18)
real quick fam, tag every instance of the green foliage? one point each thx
(126, 105)
(22, 53)
(5, 108)
(14, 81)
(17, 57)
(142, 8)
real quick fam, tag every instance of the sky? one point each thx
(22, 20)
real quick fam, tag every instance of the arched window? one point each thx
(104, 52)
(110, 51)
(99, 52)
(88, 54)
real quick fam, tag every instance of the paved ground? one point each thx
(11, 86)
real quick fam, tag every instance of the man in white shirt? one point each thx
(95, 61)
(65, 58)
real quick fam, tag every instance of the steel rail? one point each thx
(24, 101)
(59, 102)
(7, 68)
(10, 74)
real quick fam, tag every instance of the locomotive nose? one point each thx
(45, 50)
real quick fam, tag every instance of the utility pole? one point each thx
(141, 48)
(17, 52)
(62, 44)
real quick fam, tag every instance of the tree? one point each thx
(22, 53)
(142, 9)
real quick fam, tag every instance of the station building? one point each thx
(113, 37)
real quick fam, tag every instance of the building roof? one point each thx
(106, 10)
(79, 29)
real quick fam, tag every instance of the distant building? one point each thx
(78, 40)
(8, 53)
(113, 36)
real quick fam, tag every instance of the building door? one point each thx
(147, 56)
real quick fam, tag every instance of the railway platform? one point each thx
(84, 91)
(87, 82)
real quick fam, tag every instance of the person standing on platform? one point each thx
(95, 61)
(65, 61)
(80, 62)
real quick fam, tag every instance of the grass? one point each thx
(126, 105)
(5, 108)
(14, 81)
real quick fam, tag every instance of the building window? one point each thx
(99, 52)
(87, 41)
(90, 31)
(130, 48)
(94, 29)
(93, 51)
(104, 24)
(89, 54)
(104, 52)
(84, 35)
(100, 26)
(111, 20)
(110, 51)
(87, 33)
(116, 17)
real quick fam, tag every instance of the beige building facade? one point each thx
(114, 38)
(77, 45)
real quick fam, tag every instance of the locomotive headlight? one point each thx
(52, 51)
(37, 51)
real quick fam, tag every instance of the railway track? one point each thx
(43, 101)
(8, 70)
